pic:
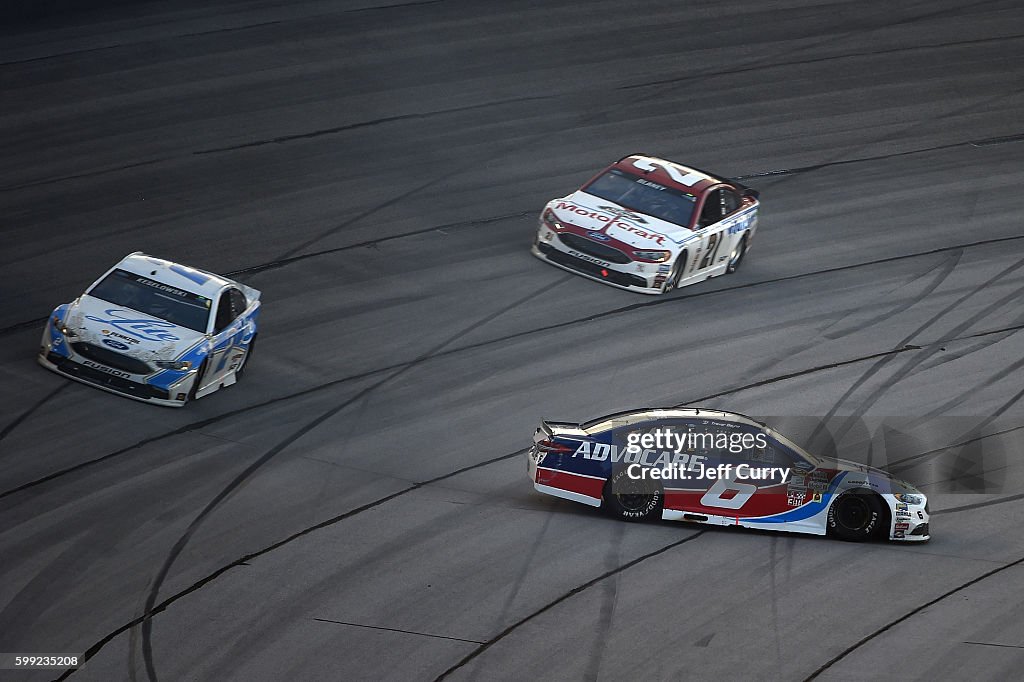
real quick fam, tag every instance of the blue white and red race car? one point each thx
(154, 330)
(649, 225)
(720, 468)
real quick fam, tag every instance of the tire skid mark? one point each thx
(244, 560)
(885, 628)
(30, 411)
(820, 60)
(287, 260)
(945, 268)
(249, 471)
(281, 139)
(571, 593)
(314, 389)
(951, 335)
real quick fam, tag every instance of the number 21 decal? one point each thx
(714, 241)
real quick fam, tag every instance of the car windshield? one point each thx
(644, 196)
(162, 301)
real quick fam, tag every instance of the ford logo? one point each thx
(599, 236)
(115, 344)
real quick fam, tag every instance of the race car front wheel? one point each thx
(855, 516)
(632, 499)
(736, 258)
(677, 273)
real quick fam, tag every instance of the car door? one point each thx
(227, 334)
(712, 251)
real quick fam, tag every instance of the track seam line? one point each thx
(400, 630)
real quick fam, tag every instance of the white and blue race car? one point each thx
(155, 331)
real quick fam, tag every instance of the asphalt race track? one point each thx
(357, 507)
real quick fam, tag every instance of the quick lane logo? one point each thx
(108, 370)
(143, 328)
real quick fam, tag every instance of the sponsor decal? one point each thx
(899, 534)
(902, 526)
(166, 288)
(613, 222)
(795, 498)
(818, 481)
(102, 368)
(599, 236)
(623, 213)
(126, 339)
(146, 329)
(902, 506)
(584, 256)
(115, 344)
(666, 268)
(816, 497)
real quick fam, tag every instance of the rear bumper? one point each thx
(617, 275)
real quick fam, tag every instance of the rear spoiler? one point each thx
(744, 190)
(548, 429)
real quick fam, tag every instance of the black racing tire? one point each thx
(856, 516)
(737, 255)
(632, 500)
(672, 281)
(245, 360)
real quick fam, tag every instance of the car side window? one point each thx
(712, 211)
(238, 302)
(730, 201)
(225, 314)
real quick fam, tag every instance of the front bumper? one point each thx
(909, 522)
(622, 276)
(143, 392)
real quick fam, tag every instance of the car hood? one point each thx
(636, 229)
(127, 331)
(871, 474)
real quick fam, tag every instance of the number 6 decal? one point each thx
(713, 497)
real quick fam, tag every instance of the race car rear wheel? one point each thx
(245, 359)
(856, 516)
(632, 499)
(738, 252)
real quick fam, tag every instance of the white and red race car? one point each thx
(649, 225)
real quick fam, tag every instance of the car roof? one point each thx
(638, 416)
(174, 274)
(676, 175)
